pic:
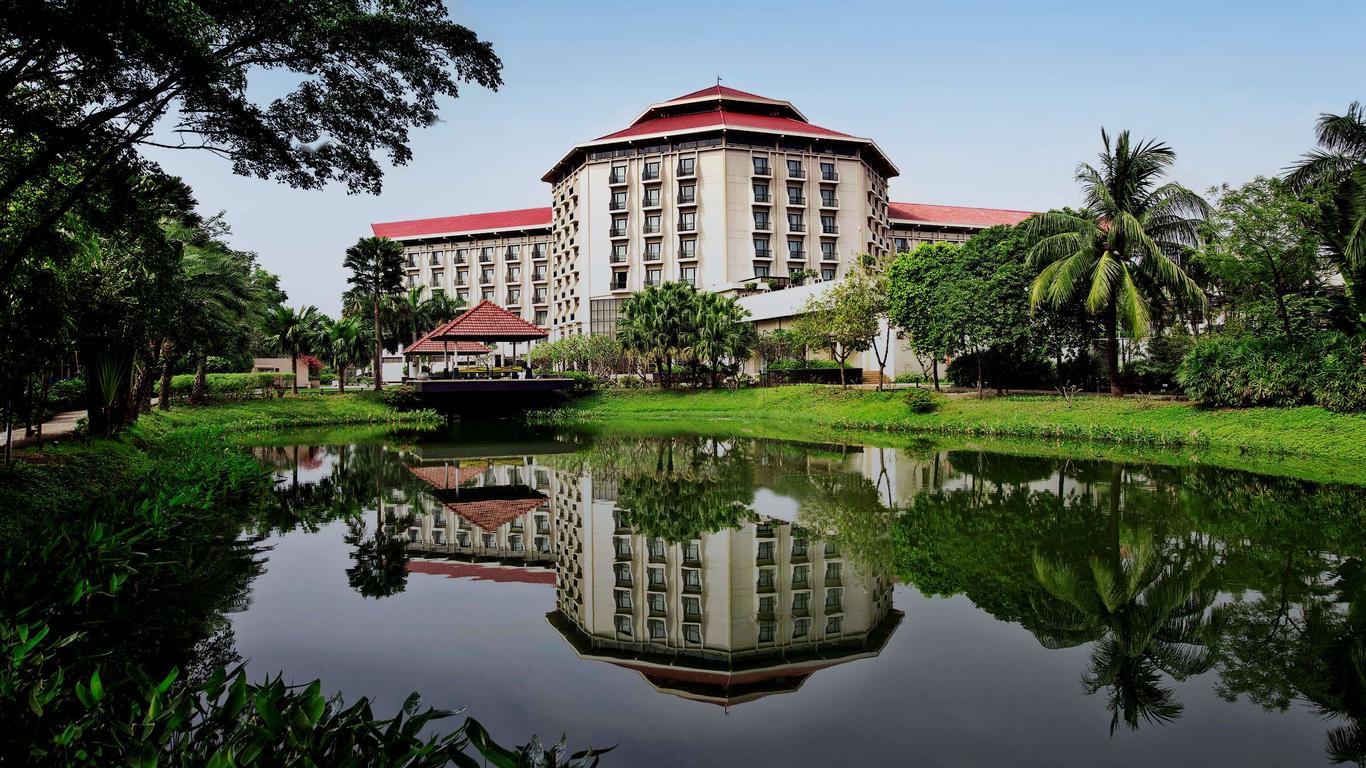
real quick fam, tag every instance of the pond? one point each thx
(704, 600)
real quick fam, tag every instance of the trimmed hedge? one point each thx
(233, 386)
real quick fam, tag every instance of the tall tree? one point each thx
(84, 84)
(926, 302)
(1337, 171)
(295, 332)
(843, 320)
(376, 265)
(345, 342)
(722, 333)
(1124, 249)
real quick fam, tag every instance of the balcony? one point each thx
(763, 198)
(833, 581)
(650, 202)
(687, 199)
(617, 205)
(619, 285)
(653, 255)
(798, 255)
(687, 170)
(688, 255)
(763, 253)
(651, 229)
(486, 278)
(539, 276)
(801, 611)
(830, 175)
(763, 225)
(513, 276)
(763, 169)
(618, 176)
(653, 282)
(763, 531)
(436, 261)
(796, 173)
(796, 226)
(687, 226)
(511, 255)
(829, 256)
(796, 199)
(765, 587)
(617, 231)
(461, 258)
(486, 258)
(830, 229)
(539, 254)
(650, 173)
(617, 258)
(830, 202)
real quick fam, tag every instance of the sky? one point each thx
(978, 103)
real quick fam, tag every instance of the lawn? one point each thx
(815, 410)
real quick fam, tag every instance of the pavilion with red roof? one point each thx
(467, 334)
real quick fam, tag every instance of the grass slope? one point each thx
(814, 413)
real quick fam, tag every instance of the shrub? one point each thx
(403, 398)
(1156, 370)
(232, 386)
(921, 400)
(66, 395)
(1011, 370)
(327, 378)
(1233, 371)
(583, 380)
(911, 378)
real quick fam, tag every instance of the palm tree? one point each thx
(376, 265)
(217, 305)
(721, 332)
(294, 331)
(1338, 171)
(659, 324)
(1123, 250)
(346, 342)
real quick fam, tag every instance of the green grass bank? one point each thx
(815, 412)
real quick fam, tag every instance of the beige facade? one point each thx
(508, 267)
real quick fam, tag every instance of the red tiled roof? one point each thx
(723, 118)
(955, 214)
(522, 218)
(490, 515)
(445, 477)
(719, 90)
(487, 321)
(479, 572)
(429, 346)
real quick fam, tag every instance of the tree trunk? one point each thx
(341, 379)
(1112, 349)
(198, 390)
(934, 367)
(980, 393)
(294, 371)
(42, 407)
(840, 361)
(379, 351)
(28, 406)
(164, 396)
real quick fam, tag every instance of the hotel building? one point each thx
(729, 191)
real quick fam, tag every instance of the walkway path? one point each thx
(61, 425)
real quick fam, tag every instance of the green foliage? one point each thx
(924, 298)
(844, 319)
(583, 380)
(375, 265)
(1155, 370)
(674, 323)
(1013, 368)
(233, 386)
(799, 365)
(402, 398)
(920, 400)
(1240, 371)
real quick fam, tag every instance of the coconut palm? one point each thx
(346, 342)
(1337, 170)
(1123, 250)
(295, 332)
(376, 265)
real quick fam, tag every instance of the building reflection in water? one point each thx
(724, 616)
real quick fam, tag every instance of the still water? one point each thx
(731, 601)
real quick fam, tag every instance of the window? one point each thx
(462, 277)
(541, 317)
(761, 192)
(485, 255)
(651, 199)
(687, 194)
(542, 544)
(462, 256)
(687, 248)
(834, 625)
(538, 251)
(623, 572)
(801, 602)
(832, 549)
(486, 275)
(651, 170)
(833, 598)
(514, 296)
(539, 273)
(618, 201)
(412, 281)
(687, 166)
(794, 195)
(765, 551)
(652, 224)
(619, 253)
(692, 578)
(486, 294)
(436, 277)
(514, 274)
(828, 226)
(761, 222)
(767, 605)
(623, 598)
(490, 541)
(464, 295)
(761, 167)
(656, 629)
(618, 175)
(828, 251)
(621, 546)
(618, 281)
(828, 172)
(692, 606)
(828, 198)
(799, 547)
(514, 252)
(795, 170)
(623, 625)
(800, 627)
(688, 275)
(799, 575)
(761, 270)
(687, 221)
(795, 222)
(618, 226)
(765, 578)
(692, 552)
(654, 276)
(656, 577)
(692, 633)
(766, 632)
(656, 601)
(652, 250)
(437, 258)
(794, 249)
(761, 250)
(832, 572)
